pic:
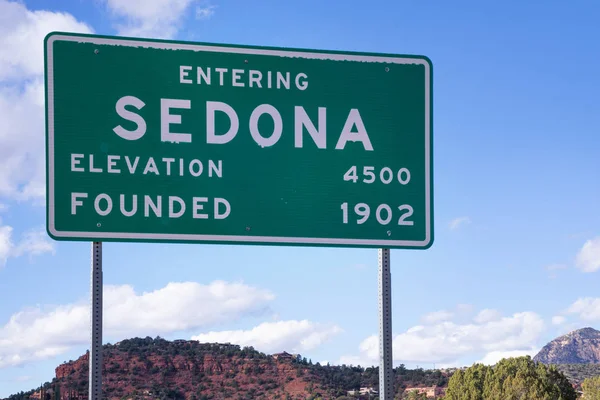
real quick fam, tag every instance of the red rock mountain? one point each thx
(188, 370)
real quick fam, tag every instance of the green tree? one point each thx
(511, 379)
(591, 388)
(57, 392)
(469, 384)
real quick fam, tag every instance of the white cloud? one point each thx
(179, 306)
(447, 341)
(150, 18)
(37, 334)
(588, 308)
(22, 96)
(558, 320)
(487, 315)
(588, 258)
(6, 243)
(32, 243)
(21, 38)
(457, 222)
(437, 316)
(273, 337)
(22, 173)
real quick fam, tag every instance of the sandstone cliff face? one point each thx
(578, 347)
(143, 369)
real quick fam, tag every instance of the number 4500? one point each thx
(383, 213)
(385, 175)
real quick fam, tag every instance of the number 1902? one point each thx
(383, 214)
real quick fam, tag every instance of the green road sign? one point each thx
(151, 140)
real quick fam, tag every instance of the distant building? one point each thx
(362, 391)
(284, 356)
(42, 394)
(432, 392)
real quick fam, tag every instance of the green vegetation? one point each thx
(577, 373)
(417, 377)
(513, 378)
(591, 388)
(21, 395)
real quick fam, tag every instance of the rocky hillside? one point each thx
(188, 370)
(577, 373)
(578, 347)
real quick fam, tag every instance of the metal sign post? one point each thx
(386, 372)
(95, 360)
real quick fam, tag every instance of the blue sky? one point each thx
(516, 259)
